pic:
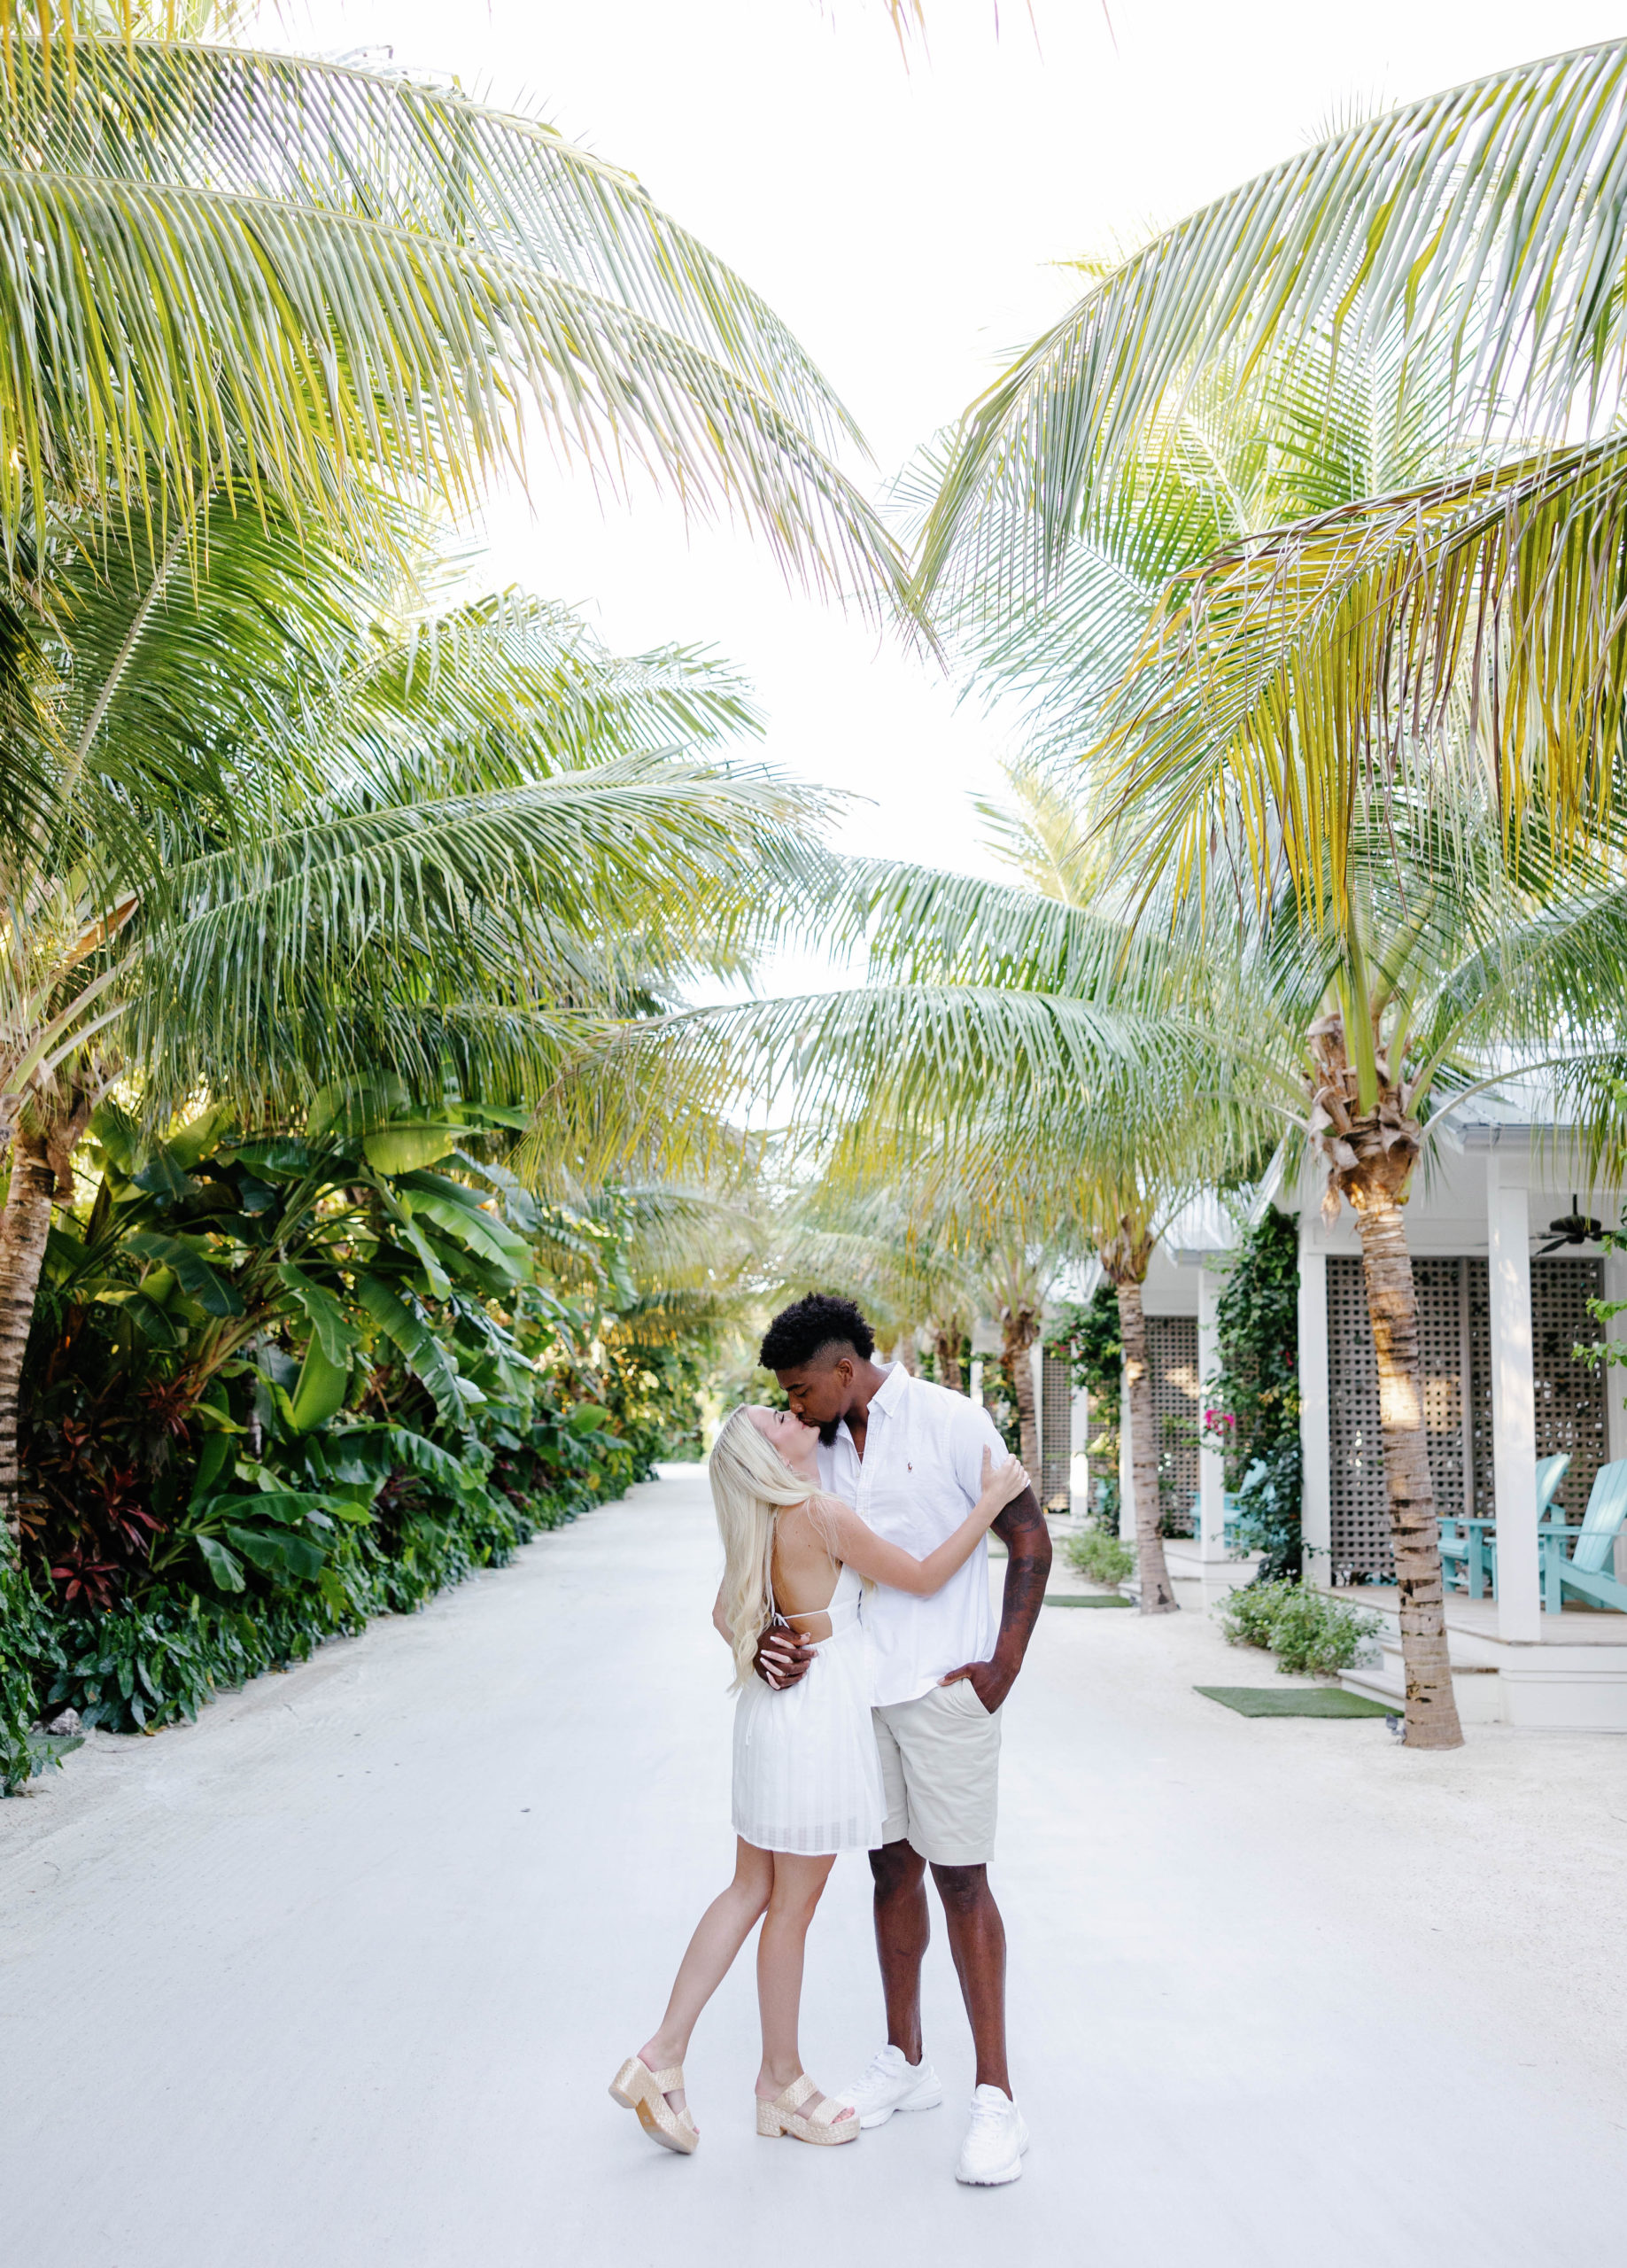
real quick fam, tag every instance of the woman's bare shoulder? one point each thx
(812, 1522)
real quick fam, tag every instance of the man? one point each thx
(907, 1455)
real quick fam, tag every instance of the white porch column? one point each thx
(1078, 1458)
(1126, 1466)
(1211, 1465)
(1513, 1405)
(1315, 1428)
(1614, 1380)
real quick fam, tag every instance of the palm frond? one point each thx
(1288, 679)
(263, 274)
(499, 912)
(890, 1066)
(1489, 220)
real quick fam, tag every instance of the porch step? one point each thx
(1476, 1687)
(1199, 1583)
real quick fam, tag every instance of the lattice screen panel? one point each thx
(1455, 1344)
(1055, 1432)
(1478, 1295)
(1442, 1347)
(1570, 1399)
(1177, 1395)
(1360, 1523)
(1360, 1513)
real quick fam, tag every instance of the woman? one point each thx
(806, 1777)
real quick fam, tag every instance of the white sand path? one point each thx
(337, 1977)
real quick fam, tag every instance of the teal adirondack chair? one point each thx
(1234, 1507)
(1469, 1557)
(1583, 1569)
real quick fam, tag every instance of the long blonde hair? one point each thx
(751, 1485)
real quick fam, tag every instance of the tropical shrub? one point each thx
(1310, 1633)
(282, 1381)
(1102, 1557)
(30, 1650)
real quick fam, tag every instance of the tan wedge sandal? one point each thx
(826, 2126)
(636, 2087)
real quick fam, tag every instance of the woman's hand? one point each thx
(1001, 1486)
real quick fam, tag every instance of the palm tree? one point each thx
(1308, 713)
(314, 840)
(1195, 753)
(235, 277)
(1123, 1224)
(1015, 1277)
(1021, 1074)
(238, 282)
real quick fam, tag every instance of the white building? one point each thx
(1502, 1302)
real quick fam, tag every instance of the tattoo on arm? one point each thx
(1021, 1528)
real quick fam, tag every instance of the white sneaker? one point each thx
(995, 2141)
(890, 2084)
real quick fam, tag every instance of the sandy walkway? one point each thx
(337, 1977)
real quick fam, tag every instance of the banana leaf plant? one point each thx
(262, 1348)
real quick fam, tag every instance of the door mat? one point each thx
(1079, 1598)
(1297, 1701)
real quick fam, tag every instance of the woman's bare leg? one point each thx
(719, 1934)
(798, 1885)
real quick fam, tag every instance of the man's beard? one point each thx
(828, 1430)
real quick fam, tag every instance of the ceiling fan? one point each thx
(1574, 1227)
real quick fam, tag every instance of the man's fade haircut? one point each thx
(808, 1326)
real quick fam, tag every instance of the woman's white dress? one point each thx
(807, 1773)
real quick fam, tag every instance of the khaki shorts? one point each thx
(941, 1775)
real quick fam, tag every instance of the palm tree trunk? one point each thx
(1392, 1307)
(1021, 1333)
(24, 1225)
(948, 1348)
(1157, 1594)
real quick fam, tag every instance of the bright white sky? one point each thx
(907, 222)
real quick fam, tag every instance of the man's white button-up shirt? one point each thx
(920, 1476)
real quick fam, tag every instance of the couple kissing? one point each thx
(871, 1674)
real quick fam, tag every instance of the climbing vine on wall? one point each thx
(1087, 1337)
(1254, 1398)
(1253, 1412)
